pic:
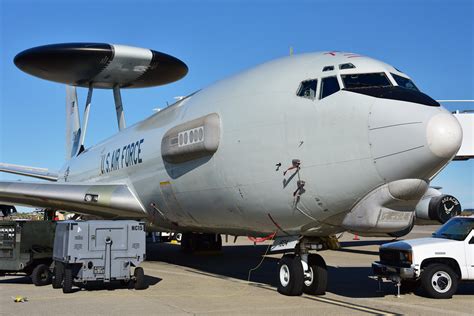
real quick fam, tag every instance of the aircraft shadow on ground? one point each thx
(236, 261)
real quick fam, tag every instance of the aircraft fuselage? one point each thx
(348, 144)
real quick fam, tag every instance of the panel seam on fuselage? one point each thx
(400, 152)
(394, 125)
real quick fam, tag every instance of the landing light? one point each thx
(91, 198)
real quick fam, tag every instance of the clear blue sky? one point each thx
(432, 41)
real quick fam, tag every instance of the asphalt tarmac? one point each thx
(210, 283)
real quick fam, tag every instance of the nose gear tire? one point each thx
(290, 276)
(318, 284)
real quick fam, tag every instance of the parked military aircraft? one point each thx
(302, 147)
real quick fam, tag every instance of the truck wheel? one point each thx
(41, 275)
(140, 283)
(290, 275)
(439, 281)
(58, 273)
(67, 280)
(316, 282)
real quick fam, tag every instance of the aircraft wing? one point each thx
(104, 200)
(39, 173)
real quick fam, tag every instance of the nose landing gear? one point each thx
(302, 272)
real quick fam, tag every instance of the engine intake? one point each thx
(437, 207)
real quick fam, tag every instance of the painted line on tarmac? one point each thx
(332, 301)
(357, 307)
(418, 307)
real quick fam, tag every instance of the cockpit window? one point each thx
(328, 68)
(378, 79)
(346, 66)
(329, 85)
(404, 82)
(307, 89)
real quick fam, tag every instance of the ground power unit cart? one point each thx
(98, 250)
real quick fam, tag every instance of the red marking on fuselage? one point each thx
(261, 239)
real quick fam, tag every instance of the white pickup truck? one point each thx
(437, 264)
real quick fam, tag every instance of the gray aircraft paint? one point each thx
(349, 145)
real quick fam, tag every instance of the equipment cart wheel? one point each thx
(67, 280)
(140, 283)
(58, 274)
(315, 282)
(41, 275)
(439, 281)
(290, 275)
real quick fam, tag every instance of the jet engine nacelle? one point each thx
(396, 234)
(387, 211)
(435, 208)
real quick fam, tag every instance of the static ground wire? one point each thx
(261, 261)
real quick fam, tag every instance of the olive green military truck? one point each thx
(26, 247)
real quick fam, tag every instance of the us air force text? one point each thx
(119, 158)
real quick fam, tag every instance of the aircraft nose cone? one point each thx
(411, 141)
(444, 135)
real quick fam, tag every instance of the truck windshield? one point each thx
(456, 228)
